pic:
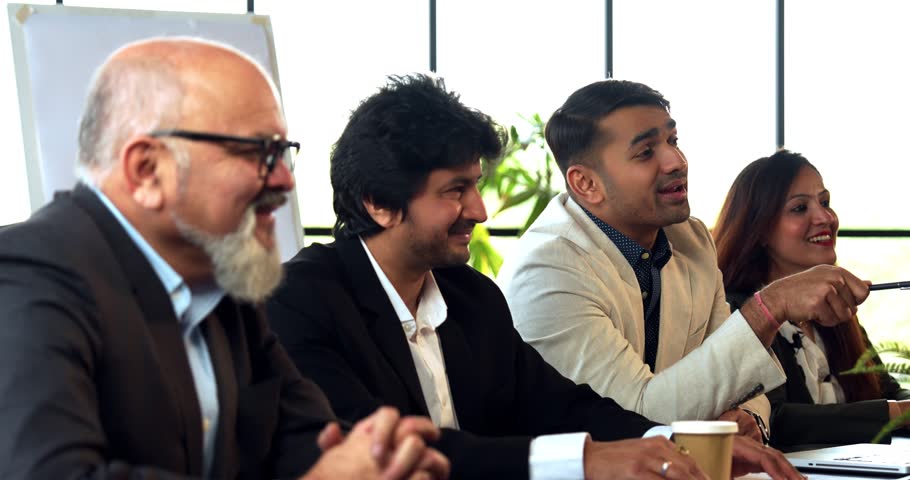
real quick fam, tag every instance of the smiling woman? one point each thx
(806, 229)
(777, 220)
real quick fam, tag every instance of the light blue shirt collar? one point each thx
(191, 304)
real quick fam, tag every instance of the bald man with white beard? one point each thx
(132, 340)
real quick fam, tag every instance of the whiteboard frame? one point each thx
(19, 15)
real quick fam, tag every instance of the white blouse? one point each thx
(810, 356)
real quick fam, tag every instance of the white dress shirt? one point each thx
(552, 457)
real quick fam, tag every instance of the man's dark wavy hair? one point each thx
(392, 142)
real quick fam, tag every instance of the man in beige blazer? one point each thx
(618, 287)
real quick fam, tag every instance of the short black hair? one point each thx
(572, 130)
(392, 142)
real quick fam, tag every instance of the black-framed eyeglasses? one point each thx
(269, 149)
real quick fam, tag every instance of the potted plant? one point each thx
(523, 178)
(900, 368)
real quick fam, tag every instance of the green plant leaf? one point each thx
(540, 203)
(514, 173)
(897, 348)
(484, 258)
(516, 199)
(523, 174)
(865, 360)
(494, 260)
(526, 176)
(859, 369)
(890, 427)
(898, 368)
(513, 135)
(865, 364)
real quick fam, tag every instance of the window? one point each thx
(886, 313)
(845, 111)
(332, 55)
(846, 104)
(714, 61)
(516, 58)
(519, 57)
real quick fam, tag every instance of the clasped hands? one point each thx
(382, 446)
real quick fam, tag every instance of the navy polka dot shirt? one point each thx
(646, 265)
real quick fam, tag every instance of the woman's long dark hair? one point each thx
(750, 212)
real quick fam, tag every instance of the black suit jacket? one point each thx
(797, 423)
(340, 328)
(95, 381)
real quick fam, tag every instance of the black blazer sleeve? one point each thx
(502, 384)
(305, 325)
(504, 392)
(48, 349)
(317, 324)
(539, 399)
(797, 422)
(798, 425)
(303, 409)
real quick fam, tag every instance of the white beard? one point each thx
(244, 268)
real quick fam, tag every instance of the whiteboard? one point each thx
(56, 49)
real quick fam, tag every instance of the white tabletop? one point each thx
(896, 440)
(817, 476)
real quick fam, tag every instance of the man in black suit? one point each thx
(132, 345)
(390, 314)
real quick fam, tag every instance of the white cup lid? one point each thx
(705, 427)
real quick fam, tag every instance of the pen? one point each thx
(886, 286)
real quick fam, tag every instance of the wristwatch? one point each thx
(765, 433)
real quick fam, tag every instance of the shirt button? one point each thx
(644, 294)
(206, 424)
(645, 256)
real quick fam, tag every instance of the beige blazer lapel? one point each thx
(675, 303)
(610, 263)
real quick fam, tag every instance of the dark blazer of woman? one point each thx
(799, 424)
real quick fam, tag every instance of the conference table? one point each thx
(896, 440)
(826, 476)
